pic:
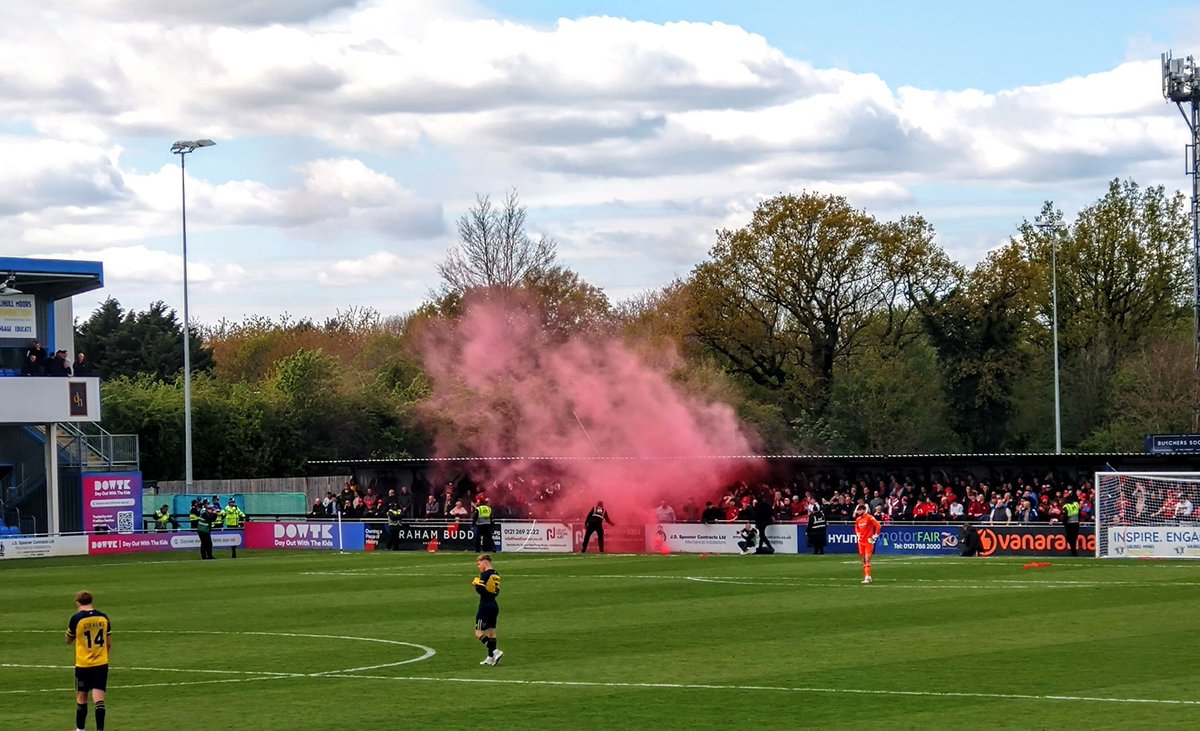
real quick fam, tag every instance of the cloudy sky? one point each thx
(352, 135)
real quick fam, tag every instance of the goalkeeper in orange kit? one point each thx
(867, 529)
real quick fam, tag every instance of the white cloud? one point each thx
(631, 141)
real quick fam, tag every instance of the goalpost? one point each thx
(1147, 514)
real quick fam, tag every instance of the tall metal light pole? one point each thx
(182, 148)
(1053, 227)
(1181, 83)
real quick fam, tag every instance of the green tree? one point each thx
(980, 332)
(130, 343)
(891, 400)
(1123, 280)
(805, 283)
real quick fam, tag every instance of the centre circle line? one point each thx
(249, 675)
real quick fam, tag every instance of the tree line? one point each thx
(828, 329)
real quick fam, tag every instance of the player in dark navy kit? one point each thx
(91, 633)
(487, 585)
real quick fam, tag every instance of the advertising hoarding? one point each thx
(1160, 541)
(306, 536)
(43, 546)
(112, 502)
(99, 545)
(714, 538)
(535, 537)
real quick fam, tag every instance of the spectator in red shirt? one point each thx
(923, 509)
(977, 507)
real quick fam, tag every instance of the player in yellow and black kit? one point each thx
(487, 585)
(91, 633)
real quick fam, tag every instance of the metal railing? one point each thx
(93, 448)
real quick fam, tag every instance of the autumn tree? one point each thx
(785, 298)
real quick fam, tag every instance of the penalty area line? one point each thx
(777, 689)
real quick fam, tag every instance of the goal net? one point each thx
(1147, 514)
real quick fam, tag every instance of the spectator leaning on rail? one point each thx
(433, 508)
(405, 501)
(37, 356)
(82, 367)
(163, 521)
(999, 512)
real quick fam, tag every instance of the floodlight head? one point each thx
(183, 147)
(1045, 224)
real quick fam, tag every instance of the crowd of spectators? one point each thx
(891, 498)
(39, 362)
(355, 502)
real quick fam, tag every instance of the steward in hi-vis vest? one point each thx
(1071, 522)
(394, 516)
(482, 520)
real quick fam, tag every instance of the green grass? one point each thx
(612, 642)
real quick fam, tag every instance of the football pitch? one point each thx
(279, 640)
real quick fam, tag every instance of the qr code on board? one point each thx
(124, 521)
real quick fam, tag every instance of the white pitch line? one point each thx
(911, 583)
(855, 583)
(251, 675)
(165, 670)
(781, 689)
(27, 691)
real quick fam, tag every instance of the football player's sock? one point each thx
(491, 645)
(99, 715)
(80, 714)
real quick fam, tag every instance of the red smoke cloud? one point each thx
(622, 431)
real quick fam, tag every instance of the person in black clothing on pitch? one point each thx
(594, 523)
(487, 585)
(204, 526)
(763, 518)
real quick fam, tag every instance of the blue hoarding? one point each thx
(922, 540)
